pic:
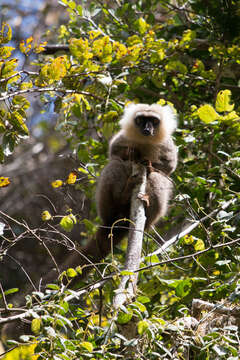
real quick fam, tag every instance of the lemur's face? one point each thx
(147, 125)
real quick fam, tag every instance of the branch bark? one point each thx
(198, 305)
(127, 287)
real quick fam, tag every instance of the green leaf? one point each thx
(79, 10)
(107, 130)
(142, 326)
(52, 287)
(152, 259)
(68, 222)
(223, 101)
(207, 114)
(9, 142)
(143, 299)
(183, 288)
(124, 318)
(140, 306)
(176, 66)
(11, 291)
(125, 272)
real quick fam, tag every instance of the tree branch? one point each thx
(134, 249)
(198, 305)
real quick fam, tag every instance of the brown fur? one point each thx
(113, 192)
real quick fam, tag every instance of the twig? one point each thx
(18, 74)
(4, 297)
(24, 271)
(55, 89)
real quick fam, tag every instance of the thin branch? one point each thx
(18, 74)
(179, 258)
(191, 226)
(40, 90)
(24, 271)
(4, 297)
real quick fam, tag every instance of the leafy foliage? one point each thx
(146, 51)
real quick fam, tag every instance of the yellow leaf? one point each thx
(36, 326)
(6, 51)
(199, 245)
(223, 101)
(72, 177)
(29, 40)
(93, 34)
(57, 69)
(141, 25)
(207, 114)
(5, 33)
(26, 85)
(4, 181)
(120, 50)
(46, 215)
(26, 47)
(23, 352)
(71, 272)
(9, 67)
(87, 345)
(142, 326)
(57, 183)
(81, 49)
(18, 124)
(188, 239)
(102, 48)
(41, 47)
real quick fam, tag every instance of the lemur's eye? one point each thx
(139, 120)
(155, 121)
